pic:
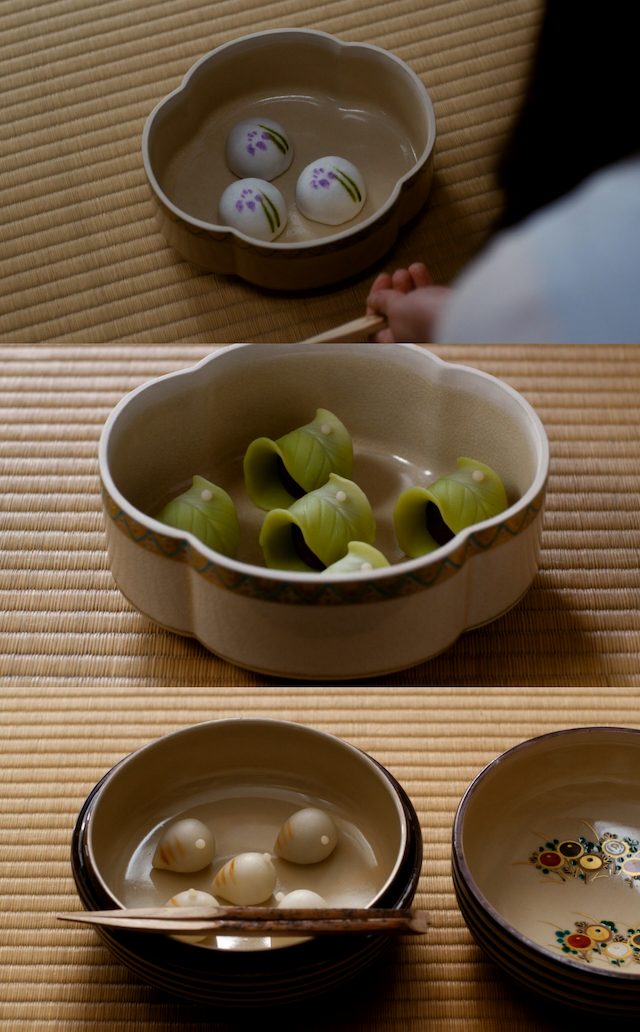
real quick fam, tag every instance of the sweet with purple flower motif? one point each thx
(331, 191)
(254, 207)
(258, 147)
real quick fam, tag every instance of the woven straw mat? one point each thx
(80, 258)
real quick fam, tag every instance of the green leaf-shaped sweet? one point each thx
(207, 512)
(308, 454)
(473, 493)
(359, 557)
(324, 522)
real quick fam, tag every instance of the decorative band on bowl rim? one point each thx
(321, 591)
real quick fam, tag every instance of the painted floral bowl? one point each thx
(546, 866)
(244, 778)
(348, 99)
(410, 416)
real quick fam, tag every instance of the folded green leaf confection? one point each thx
(207, 512)
(316, 530)
(278, 472)
(426, 518)
(360, 557)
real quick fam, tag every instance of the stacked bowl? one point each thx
(546, 867)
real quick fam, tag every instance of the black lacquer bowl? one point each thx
(240, 776)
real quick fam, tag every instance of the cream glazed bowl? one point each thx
(410, 415)
(353, 100)
(244, 778)
(546, 866)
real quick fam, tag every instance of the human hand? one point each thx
(411, 303)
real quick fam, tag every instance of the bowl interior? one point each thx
(410, 417)
(353, 101)
(551, 836)
(244, 779)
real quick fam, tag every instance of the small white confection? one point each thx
(301, 898)
(307, 837)
(326, 428)
(255, 207)
(478, 475)
(192, 898)
(206, 495)
(341, 496)
(330, 190)
(366, 566)
(248, 879)
(185, 846)
(259, 147)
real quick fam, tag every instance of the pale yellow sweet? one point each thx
(308, 837)
(247, 879)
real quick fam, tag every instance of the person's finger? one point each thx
(384, 337)
(378, 301)
(381, 282)
(401, 280)
(420, 275)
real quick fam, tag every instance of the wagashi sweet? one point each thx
(247, 879)
(207, 512)
(192, 898)
(185, 846)
(307, 837)
(278, 472)
(360, 557)
(427, 517)
(259, 148)
(316, 530)
(255, 207)
(330, 190)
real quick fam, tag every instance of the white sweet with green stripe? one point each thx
(258, 147)
(254, 207)
(330, 190)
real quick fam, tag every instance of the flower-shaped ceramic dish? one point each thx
(244, 778)
(410, 416)
(546, 866)
(350, 99)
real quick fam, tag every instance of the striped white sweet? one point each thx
(247, 879)
(186, 846)
(309, 836)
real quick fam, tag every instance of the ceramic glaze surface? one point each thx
(410, 416)
(552, 841)
(244, 779)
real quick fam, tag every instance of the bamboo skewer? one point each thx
(350, 331)
(257, 920)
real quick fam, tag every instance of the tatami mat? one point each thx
(57, 743)
(65, 623)
(80, 259)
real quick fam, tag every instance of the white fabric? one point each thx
(568, 274)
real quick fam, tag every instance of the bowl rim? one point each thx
(375, 768)
(294, 246)
(282, 578)
(460, 863)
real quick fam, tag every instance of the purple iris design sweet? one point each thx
(247, 197)
(252, 143)
(324, 182)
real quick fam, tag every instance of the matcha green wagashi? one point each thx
(278, 472)
(316, 530)
(427, 517)
(359, 558)
(207, 512)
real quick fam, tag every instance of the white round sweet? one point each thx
(307, 837)
(185, 846)
(192, 898)
(248, 879)
(301, 898)
(330, 190)
(259, 147)
(255, 207)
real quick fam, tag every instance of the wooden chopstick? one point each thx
(350, 331)
(257, 920)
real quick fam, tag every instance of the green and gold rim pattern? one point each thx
(323, 592)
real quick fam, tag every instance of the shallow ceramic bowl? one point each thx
(546, 864)
(350, 99)
(410, 416)
(244, 778)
